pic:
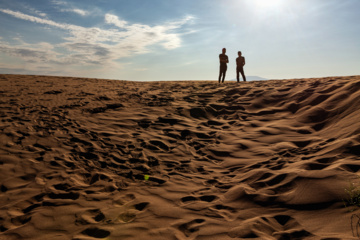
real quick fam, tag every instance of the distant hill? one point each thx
(251, 78)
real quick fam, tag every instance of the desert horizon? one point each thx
(227, 80)
(88, 158)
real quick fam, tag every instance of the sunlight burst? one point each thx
(268, 3)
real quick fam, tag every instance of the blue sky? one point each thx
(179, 40)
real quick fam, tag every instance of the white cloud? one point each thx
(77, 11)
(37, 12)
(92, 45)
(58, 2)
(80, 12)
(38, 53)
(69, 8)
(35, 19)
(112, 19)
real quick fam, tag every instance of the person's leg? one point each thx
(225, 68)
(243, 74)
(237, 74)
(220, 73)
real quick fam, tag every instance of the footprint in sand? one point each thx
(191, 227)
(278, 226)
(205, 198)
(96, 232)
(89, 217)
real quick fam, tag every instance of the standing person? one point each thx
(240, 63)
(223, 64)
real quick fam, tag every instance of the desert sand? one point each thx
(104, 159)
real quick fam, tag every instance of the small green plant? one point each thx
(353, 196)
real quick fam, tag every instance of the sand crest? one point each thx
(100, 159)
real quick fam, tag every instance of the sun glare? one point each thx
(268, 3)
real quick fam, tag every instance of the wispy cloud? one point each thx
(112, 19)
(77, 11)
(80, 12)
(37, 12)
(67, 7)
(59, 2)
(93, 45)
(36, 19)
(32, 53)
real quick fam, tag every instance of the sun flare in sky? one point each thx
(268, 3)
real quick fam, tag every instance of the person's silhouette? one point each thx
(240, 62)
(223, 64)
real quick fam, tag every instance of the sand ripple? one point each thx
(99, 159)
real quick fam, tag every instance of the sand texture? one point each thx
(100, 159)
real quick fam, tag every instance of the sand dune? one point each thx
(101, 159)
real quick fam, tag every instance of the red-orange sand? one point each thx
(100, 159)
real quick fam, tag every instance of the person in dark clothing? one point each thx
(240, 63)
(223, 64)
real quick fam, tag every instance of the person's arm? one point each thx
(244, 62)
(227, 59)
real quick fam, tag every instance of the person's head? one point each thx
(224, 50)
(239, 53)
